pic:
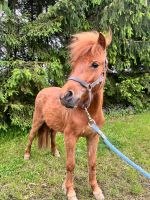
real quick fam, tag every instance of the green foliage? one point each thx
(18, 93)
(136, 91)
(33, 51)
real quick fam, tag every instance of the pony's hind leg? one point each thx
(54, 150)
(37, 123)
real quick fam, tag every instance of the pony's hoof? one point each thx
(26, 156)
(69, 196)
(98, 195)
(57, 154)
(72, 197)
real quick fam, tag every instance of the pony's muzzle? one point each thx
(67, 100)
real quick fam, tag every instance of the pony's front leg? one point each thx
(68, 186)
(92, 142)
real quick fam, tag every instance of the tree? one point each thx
(33, 50)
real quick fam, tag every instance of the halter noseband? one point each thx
(90, 86)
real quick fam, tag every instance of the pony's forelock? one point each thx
(83, 43)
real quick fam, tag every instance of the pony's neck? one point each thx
(97, 101)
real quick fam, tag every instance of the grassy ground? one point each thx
(41, 177)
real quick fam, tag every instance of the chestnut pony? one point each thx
(62, 109)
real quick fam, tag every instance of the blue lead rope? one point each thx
(115, 150)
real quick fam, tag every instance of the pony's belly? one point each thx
(54, 120)
(55, 125)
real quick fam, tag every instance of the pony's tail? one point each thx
(44, 137)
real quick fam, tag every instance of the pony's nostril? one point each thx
(69, 93)
(67, 100)
(68, 96)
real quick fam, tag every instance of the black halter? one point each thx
(90, 86)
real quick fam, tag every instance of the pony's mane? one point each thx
(82, 43)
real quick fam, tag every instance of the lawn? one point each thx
(41, 177)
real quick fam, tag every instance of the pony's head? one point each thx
(88, 59)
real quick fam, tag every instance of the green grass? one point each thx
(41, 177)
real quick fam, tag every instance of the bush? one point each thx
(33, 51)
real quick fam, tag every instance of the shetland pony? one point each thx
(63, 109)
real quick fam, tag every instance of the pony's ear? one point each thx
(102, 40)
(108, 37)
(105, 39)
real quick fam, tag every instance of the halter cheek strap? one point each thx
(90, 86)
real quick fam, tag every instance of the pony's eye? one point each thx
(95, 65)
